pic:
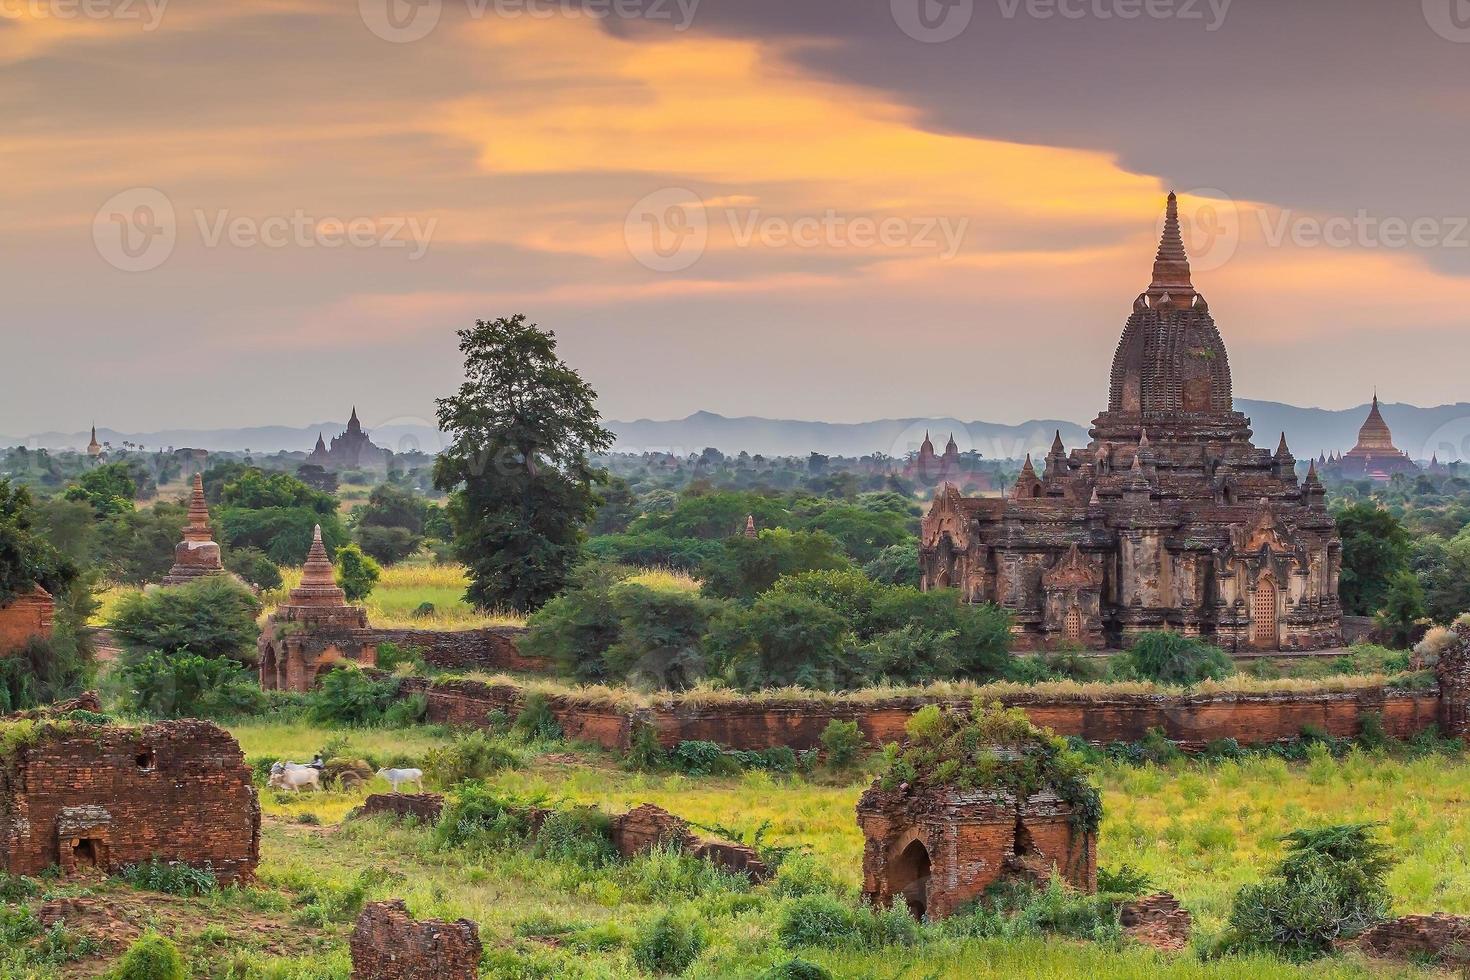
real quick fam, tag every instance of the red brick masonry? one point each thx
(1157, 921)
(423, 807)
(1192, 720)
(389, 945)
(107, 796)
(25, 618)
(1440, 937)
(490, 649)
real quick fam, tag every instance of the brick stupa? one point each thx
(197, 555)
(315, 630)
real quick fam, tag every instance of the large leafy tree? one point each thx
(1375, 547)
(524, 426)
(26, 560)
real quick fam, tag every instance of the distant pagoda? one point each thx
(197, 555)
(1375, 456)
(352, 450)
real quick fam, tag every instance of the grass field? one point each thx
(1199, 830)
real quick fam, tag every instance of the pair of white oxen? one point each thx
(294, 776)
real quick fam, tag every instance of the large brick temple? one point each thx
(1170, 518)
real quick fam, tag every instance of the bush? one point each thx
(357, 574)
(1330, 885)
(659, 634)
(577, 628)
(152, 957)
(189, 686)
(746, 567)
(537, 720)
(1123, 880)
(1166, 657)
(473, 755)
(844, 743)
(212, 617)
(782, 640)
(254, 567)
(668, 945)
(796, 969)
(581, 835)
(477, 816)
(348, 696)
(172, 878)
(702, 759)
(391, 656)
(897, 564)
(817, 920)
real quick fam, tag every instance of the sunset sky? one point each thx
(222, 214)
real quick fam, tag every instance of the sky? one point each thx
(217, 214)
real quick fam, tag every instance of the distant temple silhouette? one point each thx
(352, 450)
(1375, 456)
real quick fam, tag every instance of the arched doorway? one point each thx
(1264, 629)
(908, 876)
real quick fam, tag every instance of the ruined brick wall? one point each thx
(24, 618)
(111, 796)
(1444, 938)
(423, 807)
(646, 827)
(388, 944)
(490, 649)
(1453, 671)
(1193, 720)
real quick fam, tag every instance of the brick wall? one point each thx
(1193, 720)
(1438, 937)
(112, 796)
(388, 944)
(423, 807)
(490, 649)
(25, 617)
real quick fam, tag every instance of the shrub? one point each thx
(701, 759)
(844, 743)
(668, 945)
(357, 573)
(796, 969)
(645, 753)
(746, 567)
(536, 719)
(151, 957)
(477, 816)
(348, 696)
(659, 634)
(391, 656)
(171, 877)
(782, 640)
(189, 686)
(1165, 657)
(817, 920)
(575, 629)
(897, 564)
(580, 835)
(473, 755)
(1330, 885)
(1123, 880)
(254, 567)
(212, 617)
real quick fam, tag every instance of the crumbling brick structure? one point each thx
(1157, 921)
(1453, 671)
(24, 618)
(1441, 938)
(314, 631)
(958, 813)
(423, 807)
(76, 794)
(388, 944)
(197, 555)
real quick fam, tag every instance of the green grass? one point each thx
(1199, 830)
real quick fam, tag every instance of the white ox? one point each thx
(289, 775)
(398, 777)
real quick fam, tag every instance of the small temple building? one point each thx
(314, 630)
(197, 555)
(1170, 518)
(1375, 457)
(352, 450)
(971, 800)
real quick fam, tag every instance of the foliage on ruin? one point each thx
(214, 616)
(991, 748)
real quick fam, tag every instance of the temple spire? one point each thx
(1281, 449)
(1056, 444)
(1171, 264)
(750, 526)
(198, 528)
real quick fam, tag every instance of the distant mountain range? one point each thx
(1420, 432)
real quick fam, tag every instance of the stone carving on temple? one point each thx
(1170, 518)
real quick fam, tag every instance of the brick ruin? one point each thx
(1157, 921)
(1439, 938)
(76, 794)
(423, 807)
(197, 555)
(936, 842)
(25, 618)
(1453, 671)
(491, 648)
(1171, 518)
(389, 944)
(314, 631)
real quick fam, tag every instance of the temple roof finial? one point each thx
(1056, 444)
(1281, 449)
(1171, 263)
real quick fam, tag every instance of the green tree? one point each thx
(660, 631)
(254, 567)
(779, 641)
(524, 427)
(110, 488)
(746, 567)
(1402, 608)
(26, 560)
(864, 532)
(212, 617)
(577, 628)
(1166, 657)
(1375, 547)
(357, 574)
(897, 564)
(388, 545)
(1444, 569)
